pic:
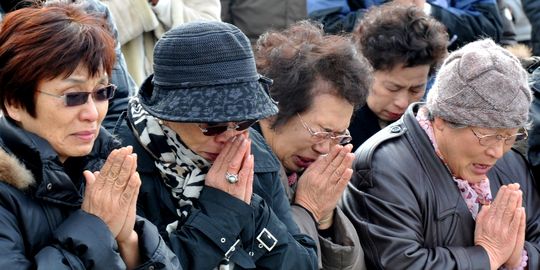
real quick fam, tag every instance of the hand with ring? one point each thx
(232, 171)
(231, 177)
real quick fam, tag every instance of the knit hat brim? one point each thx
(231, 102)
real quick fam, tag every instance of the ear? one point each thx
(14, 111)
(439, 124)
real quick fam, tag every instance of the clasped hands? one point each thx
(111, 194)
(321, 185)
(500, 227)
(234, 159)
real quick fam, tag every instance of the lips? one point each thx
(481, 169)
(303, 162)
(394, 116)
(87, 135)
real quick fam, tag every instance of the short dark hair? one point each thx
(298, 56)
(43, 42)
(393, 34)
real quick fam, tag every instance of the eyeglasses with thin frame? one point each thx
(321, 136)
(214, 129)
(492, 139)
(79, 98)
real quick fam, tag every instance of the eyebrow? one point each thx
(332, 131)
(403, 86)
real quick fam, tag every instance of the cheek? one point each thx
(102, 111)
(414, 97)
(201, 143)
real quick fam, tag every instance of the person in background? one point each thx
(254, 17)
(142, 22)
(532, 148)
(405, 46)
(532, 11)
(319, 80)
(442, 187)
(54, 91)
(465, 21)
(209, 183)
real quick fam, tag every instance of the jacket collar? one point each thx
(446, 190)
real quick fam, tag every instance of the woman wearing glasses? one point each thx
(54, 92)
(441, 188)
(318, 82)
(210, 185)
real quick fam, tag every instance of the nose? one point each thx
(401, 100)
(323, 147)
(89, 110)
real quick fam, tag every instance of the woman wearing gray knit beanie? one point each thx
(442, 188)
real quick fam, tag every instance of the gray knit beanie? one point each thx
(481, 85)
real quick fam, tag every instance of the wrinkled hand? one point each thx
(515, 259)
(321, 185)
(127, 231)
(111, 193)
(498, 225)
(235, 158)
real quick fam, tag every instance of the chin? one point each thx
(81, 152)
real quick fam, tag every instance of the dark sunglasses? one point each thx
(80, 98)
(213, 129)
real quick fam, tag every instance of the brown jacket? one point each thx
(343, 252)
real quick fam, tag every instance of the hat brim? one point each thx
(218, 103)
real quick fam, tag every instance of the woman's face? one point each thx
(394, 90)
(71, 131)
(466, 158)
(207, 147)
(292, 142)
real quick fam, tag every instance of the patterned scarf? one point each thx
(473, 194)
(182, 170)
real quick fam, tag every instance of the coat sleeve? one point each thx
(470, 22)
(300, 249)
(154, 251)
(389, 220)
(225, 227)
(343, 251)
(82, 241)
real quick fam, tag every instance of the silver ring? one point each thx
(231, 177)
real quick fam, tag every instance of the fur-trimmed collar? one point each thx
(13, 172)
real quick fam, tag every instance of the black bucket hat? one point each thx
(205, 72)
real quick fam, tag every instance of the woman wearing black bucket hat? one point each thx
(210, 185)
